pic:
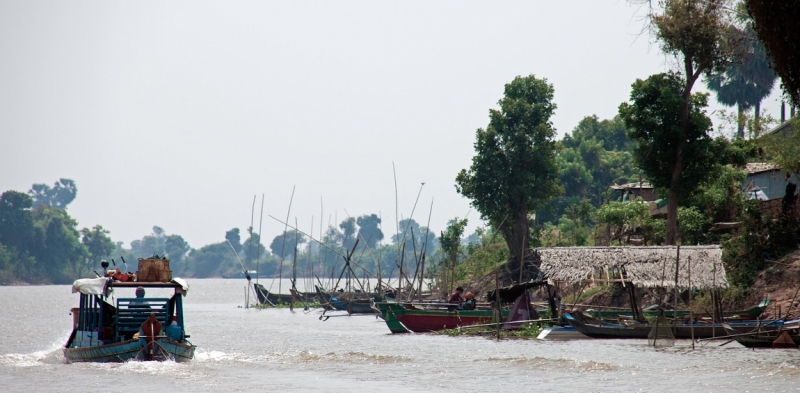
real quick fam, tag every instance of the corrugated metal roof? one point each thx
(758, 167)
(631, 186)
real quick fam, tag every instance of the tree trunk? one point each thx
(740, 121)
(757, 121)
(514, 232)
(672, 204)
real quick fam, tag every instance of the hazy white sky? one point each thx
(176, 113)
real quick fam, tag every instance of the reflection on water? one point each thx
(256, 350)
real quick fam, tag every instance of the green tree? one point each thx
(452, 250)
(177, 249)
(623, 217)
(775, 22)
(514, 171)
(369, 229)
(153, 244)
(97, 243)
(235, 239)
(673, 154)
(284, 249)
(348, 227)
(16, 220)
(59, 196)
(746, 82)
(784, 151)
(701, 35)
(612, 133)
(58, 248)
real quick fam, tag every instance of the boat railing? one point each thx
(133, 312)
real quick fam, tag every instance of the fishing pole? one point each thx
(322, 244)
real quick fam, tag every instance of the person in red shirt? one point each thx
(456, 298)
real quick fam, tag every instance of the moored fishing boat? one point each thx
(408, 317)
(266, 297)
(598, 329)
(750, 314)
(560, 333)
(107, 328)
(787, 337)
(346, 302)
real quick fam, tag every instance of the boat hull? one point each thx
(561, 333)
(402, 318)
(680, 331)
(352, 306)
(165, 349)
(763, 339)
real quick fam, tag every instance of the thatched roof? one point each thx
(644, 266)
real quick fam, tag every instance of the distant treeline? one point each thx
(41, 243)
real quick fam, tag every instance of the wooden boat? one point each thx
(268, 298)
(561, 333)
(147, 328)
(431, 317)
(350, 303)
(766, 339)
(750, 314)
(598, 329)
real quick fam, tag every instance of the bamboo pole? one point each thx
(499, 313)
(283, 245)
(691, 313)
(677, 270)
(294, 270)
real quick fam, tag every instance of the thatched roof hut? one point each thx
(643, 266)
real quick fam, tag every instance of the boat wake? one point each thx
(299, 358)
(572, 365)
(34, 359)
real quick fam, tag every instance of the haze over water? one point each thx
(277, 350)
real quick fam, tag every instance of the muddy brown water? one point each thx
(241, 350)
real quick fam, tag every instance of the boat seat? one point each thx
(133, 312)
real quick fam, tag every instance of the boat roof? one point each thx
(134, 284)
(101, 285)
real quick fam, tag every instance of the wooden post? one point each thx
(497, 300)
(522, 258)
(677, 291)
(421, 276)
(691, 313)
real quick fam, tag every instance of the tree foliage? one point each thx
(514, 170)
(672, 156)
(97, 243)
(283, 245)
(775, 22)
(369, 229)
(59, 196)
(701, 34)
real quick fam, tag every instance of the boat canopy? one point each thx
(90, 286)
(643, 266)
(101, 285)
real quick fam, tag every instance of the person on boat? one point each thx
(469, 301)
(139, 302)
(456, 299)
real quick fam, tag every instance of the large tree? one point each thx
(662, 141)
(59, 196)
(701, 35)
(369, 229)
(776, 24)
(514, 171)
(97, 242)
(745, 82)
(16, 220)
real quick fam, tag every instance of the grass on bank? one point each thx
(528, 330)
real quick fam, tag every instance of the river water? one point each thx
(242, 350)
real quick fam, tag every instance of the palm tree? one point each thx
(746, 82)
